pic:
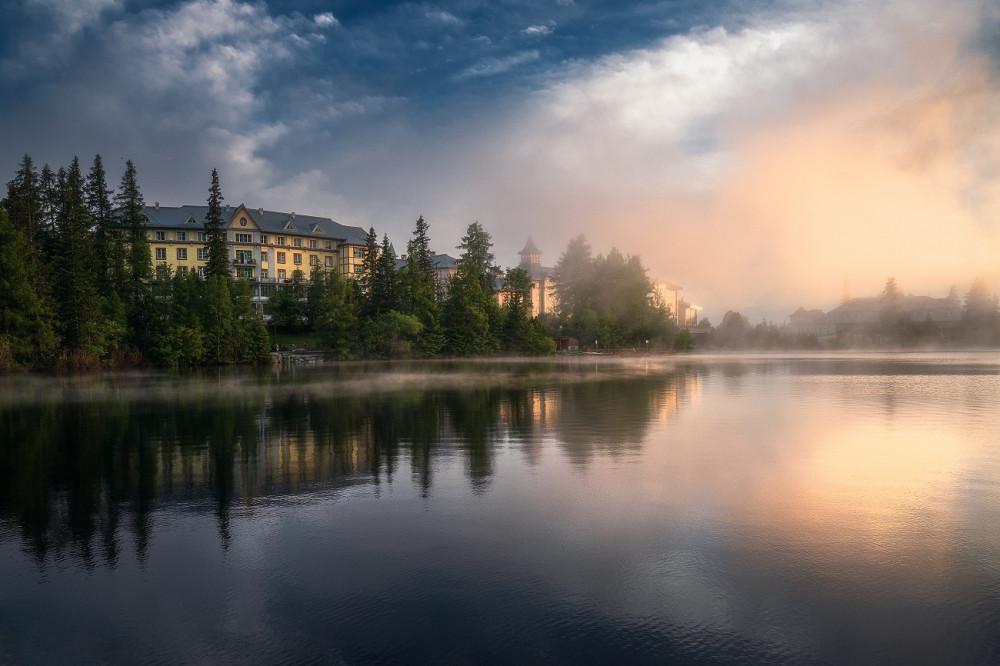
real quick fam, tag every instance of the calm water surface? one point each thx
(741, 509)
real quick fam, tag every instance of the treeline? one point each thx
(80, 291)
(78, 286)
(893, 325)
(608, 302)
(408, 313)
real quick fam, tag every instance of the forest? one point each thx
(81, 291)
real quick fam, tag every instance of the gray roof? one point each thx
(440, 262)
(272, 222)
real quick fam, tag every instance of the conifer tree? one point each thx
(76, 285)
(50, 194)
(478, 255)
(26, 333)
(108, 248)
(131, 223)
(218, 253)
(386, 287)
(24, 206)
(419, 289)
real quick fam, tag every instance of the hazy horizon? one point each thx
(760, 154)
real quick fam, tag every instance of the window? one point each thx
(313, 244)
(281, 274)
(202, 254)
(201, 271)
(281, 257)
(244, 238)
(328, 245)
(329, 262)
(263, 239)
(263, 255)
(161, 253)
(244, 257)
(263, 273)
(183, 271)
(313, 260)
(296, 242)
(244, 273)
(297, 259)
(358, 269)
(359, 253)
(180, 235)
(182, 254)
(160, 235)
(202, 236)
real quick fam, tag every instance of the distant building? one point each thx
(543, 290)
(669, 294)
(265, 247)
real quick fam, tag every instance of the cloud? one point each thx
(763, 167)
(325, 20)
(538, 30)
(491, 66)
(445, 17)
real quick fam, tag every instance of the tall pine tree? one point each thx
(76, 284)
(218, 253)
(140, 307)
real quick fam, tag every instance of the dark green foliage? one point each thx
(109, 249)
(26, 334)
(477, 246)
(286, 307)
(250, 343)
(218, 253)
(338, 316)
(391, 335)
(607, 302)
(135, 286)
(76, 270)
(418, 290)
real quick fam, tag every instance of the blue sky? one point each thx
(761, 154)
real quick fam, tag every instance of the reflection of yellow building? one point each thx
(265, 247)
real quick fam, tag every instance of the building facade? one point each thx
(265, 247)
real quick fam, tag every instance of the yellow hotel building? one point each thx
(265, 247)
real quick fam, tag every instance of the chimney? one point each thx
(260, 211)
(156, 205)
(292, 215)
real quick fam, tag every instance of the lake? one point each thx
(835, 508)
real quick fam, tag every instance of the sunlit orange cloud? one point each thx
(768, 168)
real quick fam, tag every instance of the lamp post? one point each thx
(647, 345)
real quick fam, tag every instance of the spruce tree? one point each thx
(26, 332)
(419, 289)
(108, 247)
(218, 253)
(24, 206)
(76, 284)
(478, 255)
(140, 307)
(386, 288)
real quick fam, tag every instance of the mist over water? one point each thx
(814, 508)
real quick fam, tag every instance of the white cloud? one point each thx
(445, 17)
(491, 66)
(538, 30)
(325, 20)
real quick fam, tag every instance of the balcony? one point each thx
(244, 261)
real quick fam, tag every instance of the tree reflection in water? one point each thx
(86, 462)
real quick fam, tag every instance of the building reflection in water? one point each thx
(87, 464)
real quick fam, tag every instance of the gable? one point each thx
(242, 219)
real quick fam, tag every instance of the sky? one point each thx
(763, 155)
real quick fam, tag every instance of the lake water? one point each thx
(738, 509)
